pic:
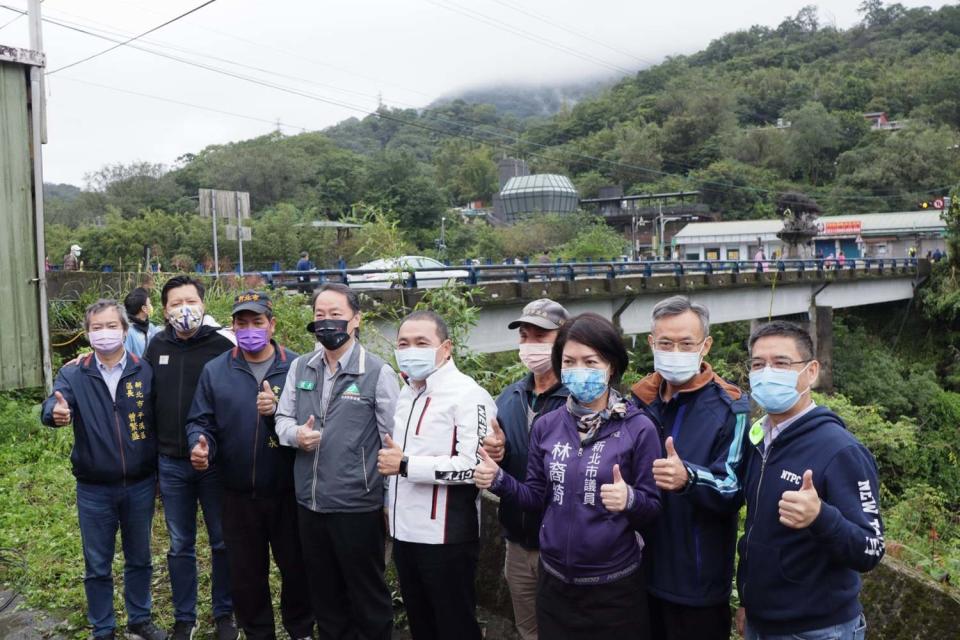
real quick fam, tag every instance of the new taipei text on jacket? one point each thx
(581, 542)
(694, 539)
(440, 427)
(243, 443)
(177, 365)
(793, 580)
(113, 441)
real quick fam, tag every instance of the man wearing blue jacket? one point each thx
(106, 396)
(703, 422)
(813, 512)
(518, 405)
(231, 421)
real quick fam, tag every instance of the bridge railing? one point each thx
(474, 274)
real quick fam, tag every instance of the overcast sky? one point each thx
(348, 52)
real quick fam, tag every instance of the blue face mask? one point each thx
(417, 362)
(775, 390)
(585, 384)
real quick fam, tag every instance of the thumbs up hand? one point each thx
(615, 496)
(495, 443)
(389, 457)
(61, 411)
(670, 473)
(200, 454)
(307, 438)
(266, 400)
(486, 472)
(798, 509)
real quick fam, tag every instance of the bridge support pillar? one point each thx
(821, 329)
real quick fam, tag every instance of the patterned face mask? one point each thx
(585, 384)
(185, 319)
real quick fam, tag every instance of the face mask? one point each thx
(332, 334)
(417, 362)
(186, 319)
(537, 356)
(677, 367)
(775, 390)
(105, 340)
(252, 340)
(584, 383)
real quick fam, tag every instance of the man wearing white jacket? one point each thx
(441, 417)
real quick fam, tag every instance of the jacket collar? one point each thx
(355, 365)
(556, 391)
(279, 355)
(88, 364)
(648, 389)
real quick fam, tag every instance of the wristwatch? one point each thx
(403, 466)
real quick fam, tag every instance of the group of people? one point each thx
(618, 507)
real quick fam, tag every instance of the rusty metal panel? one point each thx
(21, 364)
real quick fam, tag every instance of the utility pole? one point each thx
(36, 43)
(216, 250)
(236, 199)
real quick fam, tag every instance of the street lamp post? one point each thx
(663, 223)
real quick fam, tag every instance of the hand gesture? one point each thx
(389, 457)
(307, 438)
(495, 442)
(741, 620)
(670, 473)
(266, 400)
(61, 411)
(615, 496)
(200, 454)
(798, 509)
(486, 472)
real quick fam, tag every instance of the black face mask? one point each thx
(332, 334)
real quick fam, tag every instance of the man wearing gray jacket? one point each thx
(336, 408)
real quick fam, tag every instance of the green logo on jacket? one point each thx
(307, 385)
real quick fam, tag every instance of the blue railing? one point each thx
(478, 274)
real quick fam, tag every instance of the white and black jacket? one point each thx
(440, 426)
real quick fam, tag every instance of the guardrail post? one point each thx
(589, 266)
(678, 268)
(571, 272)
(647, 270)
(472, 278)
(781, 266)
(344, 278)
(736, 267)
(412, 280)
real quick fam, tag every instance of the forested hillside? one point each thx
(756, 113)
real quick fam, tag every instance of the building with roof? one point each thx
(538, 193)
(874, 235)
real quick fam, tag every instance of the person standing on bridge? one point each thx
(337, 409)
(232, 422)
(590, 471)
(703, 422)
(441, 418)
(536, 394)
(177, 356)
(813, 512)
(105, 395)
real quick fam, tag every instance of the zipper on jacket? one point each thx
(763, 467)
(256, 440)
(406, 432)
(181, 427)
(363, 461)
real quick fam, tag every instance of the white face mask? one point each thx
(536, 356)
(677, 367)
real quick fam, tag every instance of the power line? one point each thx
(186, 104)
(420, 125)
(120, 44)
(504, 26)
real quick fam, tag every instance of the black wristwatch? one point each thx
(403, 466)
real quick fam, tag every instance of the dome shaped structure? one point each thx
(539, 193)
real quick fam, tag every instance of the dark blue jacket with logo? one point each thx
(113, 441)
(243, 443)
(692, 543)
(519, 525)
(795, 580)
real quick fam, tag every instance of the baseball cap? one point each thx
(543, 313)
(252, 301)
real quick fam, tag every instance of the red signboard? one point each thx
(846, 227)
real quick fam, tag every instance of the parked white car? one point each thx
(394, 272)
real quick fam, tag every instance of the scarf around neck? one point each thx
(590, 421)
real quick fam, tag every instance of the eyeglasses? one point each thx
(669, 345)
(759, 364)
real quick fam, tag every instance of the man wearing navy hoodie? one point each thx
(703, 422)
(813, 514)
